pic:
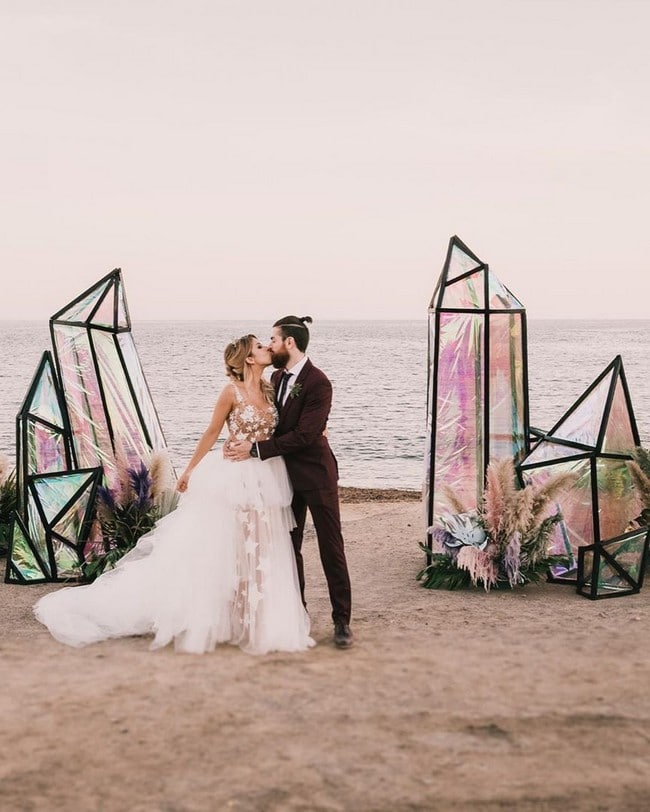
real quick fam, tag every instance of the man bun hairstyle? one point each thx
(296, 327)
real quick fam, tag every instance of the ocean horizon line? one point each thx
(334, 320)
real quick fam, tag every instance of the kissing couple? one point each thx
(226, 566)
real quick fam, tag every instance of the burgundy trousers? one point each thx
(326, 515)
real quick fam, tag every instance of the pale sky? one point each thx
(252, 159)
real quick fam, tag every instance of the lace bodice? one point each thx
(248, 422)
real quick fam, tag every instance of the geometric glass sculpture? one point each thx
(107, 399)
(609, 569)
(49, 546)
(54, 504)
(594, 441)
(42, 434)
(477, 387)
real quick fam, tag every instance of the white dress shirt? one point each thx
(295, 370)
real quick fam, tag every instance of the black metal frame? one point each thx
(436, 308)
(108, 285)
(114, 286)
(584, 451)
(26, 479)
(587, 582)
(12, 574)
(25, 417)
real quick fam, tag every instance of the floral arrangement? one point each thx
(296, 389)
(129, 511)
(504, 542)
(8, 497)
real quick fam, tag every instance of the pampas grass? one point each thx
(518, 522)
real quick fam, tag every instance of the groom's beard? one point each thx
(279, 359)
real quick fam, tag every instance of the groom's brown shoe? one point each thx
(343, 637)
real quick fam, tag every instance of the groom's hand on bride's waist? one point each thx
(237, 450)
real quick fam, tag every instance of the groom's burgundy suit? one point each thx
(313, 473)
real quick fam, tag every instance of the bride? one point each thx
(221, 567)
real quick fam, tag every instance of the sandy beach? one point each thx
(534, 699)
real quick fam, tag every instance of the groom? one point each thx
(303, 396)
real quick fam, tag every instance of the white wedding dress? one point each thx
(219, 569)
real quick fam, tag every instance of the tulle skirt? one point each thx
(220, 568)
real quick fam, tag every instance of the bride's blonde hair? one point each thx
(237, 369)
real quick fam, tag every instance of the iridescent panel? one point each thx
(577, 528)
(500, 297)
(122, 312)
(619, 436)
(506, 370)
(23, 558)
(45, 449)
(141, 390)
(67, 560)
(618, 499)
(55, 492)
(582, 424)
(105, 315)
(82, 394)
(122, 412)
(70, 525)
(426, 488)
(82, 310)
(36, 530)
(459, 462)
(465, 293)
(460, 263)
(628, 553)
(44, 402)
(548, 450)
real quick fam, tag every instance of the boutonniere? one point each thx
(296, 390)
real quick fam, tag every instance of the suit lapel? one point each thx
(289, 401)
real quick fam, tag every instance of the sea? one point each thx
(378, 371)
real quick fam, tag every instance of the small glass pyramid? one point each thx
(593, 440)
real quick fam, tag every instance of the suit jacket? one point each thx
(299, 434)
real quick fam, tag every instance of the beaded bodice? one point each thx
(247, 421)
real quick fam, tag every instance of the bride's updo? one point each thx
(237, 369)
(235, 356)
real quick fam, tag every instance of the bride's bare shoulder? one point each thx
(229, 394)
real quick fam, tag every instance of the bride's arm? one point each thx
(210, 436)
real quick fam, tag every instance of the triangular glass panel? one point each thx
(465, 293)
(123, 320)
(105, 313)
(23, 558)
(69, 527)
(500, 297)
(80, 311)
(628, 552)
(583, 421)
(609, 580)
(460, 263)
(619, 436)
(44, 402)
(46, 449)
(547, 450)
(67, 560)
(55, 492)
(37, 532)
